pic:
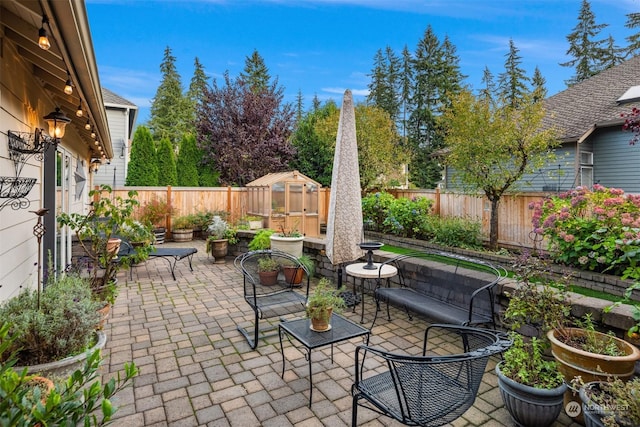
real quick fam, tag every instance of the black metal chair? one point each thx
(425, 390)
(273, 300)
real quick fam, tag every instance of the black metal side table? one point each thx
(341, 330)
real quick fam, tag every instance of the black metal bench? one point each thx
(169, 254)
(445, 287)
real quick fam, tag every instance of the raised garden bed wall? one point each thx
(618, 320)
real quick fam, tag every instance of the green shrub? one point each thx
(142, 168)
(455, 232)
(375, 208)
(63, 326)
(404, 216)
(167, 172)
(80, 399)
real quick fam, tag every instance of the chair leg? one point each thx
(354, 411)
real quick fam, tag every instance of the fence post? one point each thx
(168, 219)
(229, 200)
(436, 208)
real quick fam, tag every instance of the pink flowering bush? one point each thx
(595, 230)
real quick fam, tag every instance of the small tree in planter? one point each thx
(97, 230)
(155, 213)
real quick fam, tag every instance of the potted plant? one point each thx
(293, 274)
(155, 213)
(611, 403)
(50, 330)
(221, 235)
(201, 220)
(268, 269)
(531, 387)
(80, 399)
(137, 233)
(183, 228)
(290, 241)
(106, 220)
(262, 240)
(324, 301)
(254, 222)
(592, 355)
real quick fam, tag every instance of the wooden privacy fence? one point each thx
(515, 229)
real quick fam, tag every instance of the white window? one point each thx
(586, 176)
(586, 158)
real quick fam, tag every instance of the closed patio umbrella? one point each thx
(344, 222)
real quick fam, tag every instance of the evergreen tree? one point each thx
(167, 174)
(195, 94)
(436, 77)
(584, 47)
(512, 83)
(256, 73)
(169, 108)
(612, 55)
(538, 83)
(633, 21)
(315, 103)
(299, 106)
(406, 89)
(314, 153)
(187, 164)
(208, 176)
(142, 168)
(486, 93)
(384, 89)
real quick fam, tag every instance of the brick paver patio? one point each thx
(196, 369)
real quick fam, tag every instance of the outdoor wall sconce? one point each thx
(57, 122)
(43, 40)
(95, 165)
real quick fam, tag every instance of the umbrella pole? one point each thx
(339, 275)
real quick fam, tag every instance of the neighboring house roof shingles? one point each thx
(114, 99)
(591, 103)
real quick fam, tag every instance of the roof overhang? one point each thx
(601, 125)
(71, 51)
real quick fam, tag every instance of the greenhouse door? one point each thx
(294, 207)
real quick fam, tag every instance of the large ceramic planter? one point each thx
(290, 245)
(182, 235)
(530, 406)
(66, 366)
(573, 362)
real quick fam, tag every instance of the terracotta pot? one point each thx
(293, 275)
(573, 362)
(268, 278)
(320, 324)
(44, 383)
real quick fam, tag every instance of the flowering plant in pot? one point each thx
(324, 301)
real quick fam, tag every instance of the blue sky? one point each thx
(322, 47)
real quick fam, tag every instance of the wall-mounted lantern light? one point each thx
(57, 122)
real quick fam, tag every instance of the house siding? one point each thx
(115, 172)
(615, 162)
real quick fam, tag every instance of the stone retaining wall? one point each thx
(619, 319)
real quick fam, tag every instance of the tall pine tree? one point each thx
(538, 83)
(512, 83)
(585, 48)
(195, 94)
(256, 73)
(633, 21)
(169, 108)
